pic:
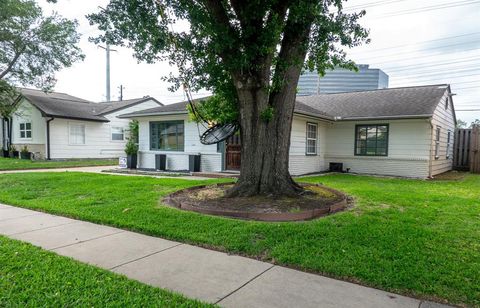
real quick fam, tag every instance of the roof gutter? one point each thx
(414, 116)
(308, 114)
(129, 116)
(75, 118)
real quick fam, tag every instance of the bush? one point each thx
(131, 148)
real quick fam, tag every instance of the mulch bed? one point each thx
(210, 199)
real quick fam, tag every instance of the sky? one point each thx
(414, 42)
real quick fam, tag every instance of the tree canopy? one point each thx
(225, 39)
(250, 54)
(33, 46)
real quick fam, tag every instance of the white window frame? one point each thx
(25, 130)
(73, 142)
(438, 132)
(112, 132)
(449, 140)
(310, 124)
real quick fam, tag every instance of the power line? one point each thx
(429, 73)
(371, 4)
(424, 42)
(427, 9)
(433, 73)
(414, 58)
(385, 55)
(476, 41)
(427, 65)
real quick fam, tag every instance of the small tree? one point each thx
(461, 124)
(475, 123)
(32, 48)
(133, 131)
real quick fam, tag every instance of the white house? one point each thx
(60, 126)
(398, 131)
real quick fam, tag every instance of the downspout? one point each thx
(48, 137)
(430, 160)
(3, 134)
(9, 132)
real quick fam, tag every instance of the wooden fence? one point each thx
(475, 150)
(466, 155)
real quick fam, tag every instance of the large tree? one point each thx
(32, 48)
(250, 53)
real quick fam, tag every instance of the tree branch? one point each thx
(12, 63)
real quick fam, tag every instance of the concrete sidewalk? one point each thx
(211, 276)
(100, 169)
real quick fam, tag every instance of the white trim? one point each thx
(111, 133)
(311, 139)
(25, 130)
(70, 125)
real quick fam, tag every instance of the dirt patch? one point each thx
(319, 201)
(450, 176)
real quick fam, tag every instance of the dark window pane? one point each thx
(29, 134)
(28, 125)
(167, 136)
(362, 133)
(371, 140)
(381, 151)
(22, 134)
(22, 126)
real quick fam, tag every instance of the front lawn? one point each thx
(413, 237)
(19, 164)
(32, 277)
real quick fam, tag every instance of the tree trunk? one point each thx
(266, 143)
(265, 135)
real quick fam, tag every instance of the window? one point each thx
(25, 130)
(446, 103)
(311, 148)
(77, 133)
(371, 140)
(437, 142)
(449, 137)
(167, 136)
(117, 134)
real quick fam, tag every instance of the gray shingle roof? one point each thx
(412, 102)
(394, 102)
(166, 109)
(61, 105)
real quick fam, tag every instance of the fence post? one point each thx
(474, 150)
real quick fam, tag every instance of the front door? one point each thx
(232, 153)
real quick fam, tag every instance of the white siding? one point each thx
(443, 118)
(98, 138)
(299, 162)
(408, 148)
(211, 161)
(26, 112)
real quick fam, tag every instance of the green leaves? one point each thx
(33, 47)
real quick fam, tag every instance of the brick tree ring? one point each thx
(209, 199)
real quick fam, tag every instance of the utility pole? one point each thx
(121, 92)
(107, 77)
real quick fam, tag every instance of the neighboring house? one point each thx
(342, 80)
(60, 126)
(400, 132)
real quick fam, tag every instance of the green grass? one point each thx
(32, 277)
(414, 237)
(19, 164)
